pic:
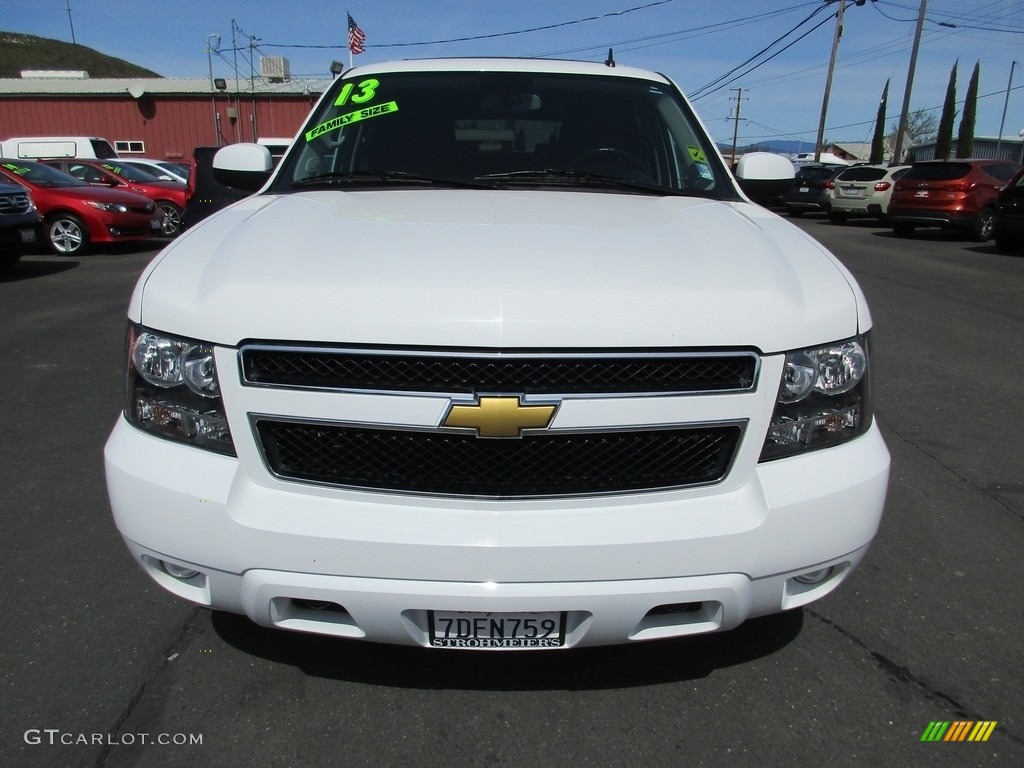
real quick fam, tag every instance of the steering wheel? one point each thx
(613, 155)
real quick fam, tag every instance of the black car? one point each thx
(807, 195)
(21, 226)
(204, 195)
(1009, 221)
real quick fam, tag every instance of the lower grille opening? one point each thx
(536, 465)
(679, 619)
(317, 605)
(675, 608)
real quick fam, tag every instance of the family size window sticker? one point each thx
(356, 93)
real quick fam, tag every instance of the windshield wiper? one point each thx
(558, 177)
(381, 177)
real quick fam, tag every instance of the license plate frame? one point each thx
(496, 631)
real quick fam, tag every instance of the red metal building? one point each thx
(154, 117)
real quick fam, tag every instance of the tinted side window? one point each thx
(1003, 172)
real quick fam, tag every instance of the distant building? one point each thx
(158, 117)
(985, 148)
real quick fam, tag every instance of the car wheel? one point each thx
(903, 230)
(836, 217)
(67, 234)
(170, 219)
(984, 226)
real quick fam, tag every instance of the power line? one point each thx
(491, 35)
(709, 88)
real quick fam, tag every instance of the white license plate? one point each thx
(28, 236)
(805, 189)
(921, 193)
(852, 192)
(496, 631)
(156, 223)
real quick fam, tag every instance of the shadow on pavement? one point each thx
(625, 666)
(26, 269)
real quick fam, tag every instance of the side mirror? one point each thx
(243, 166)
(764, 176)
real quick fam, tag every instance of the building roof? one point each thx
(157, 86)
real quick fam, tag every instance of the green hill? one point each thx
(18, 52)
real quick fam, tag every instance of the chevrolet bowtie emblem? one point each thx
(499, 416)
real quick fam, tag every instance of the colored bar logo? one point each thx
(958, 730)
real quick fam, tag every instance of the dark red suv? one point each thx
(949, 193)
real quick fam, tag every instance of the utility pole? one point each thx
(736, 119)
(905, 114)
(1006, 103)
(213, 90)
(252, 86)
(828, 81)
(67, 4)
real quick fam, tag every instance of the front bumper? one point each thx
(264, 548)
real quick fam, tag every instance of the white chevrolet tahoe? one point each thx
(500, 356)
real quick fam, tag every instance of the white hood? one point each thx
(500, 269)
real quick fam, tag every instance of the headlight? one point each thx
(110, 207)
(823, 399)
(173, 390)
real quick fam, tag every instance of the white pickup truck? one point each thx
(499, 356)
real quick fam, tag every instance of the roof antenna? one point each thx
(610, 61)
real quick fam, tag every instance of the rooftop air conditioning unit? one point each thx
(277, 69)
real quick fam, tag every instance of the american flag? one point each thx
(356, 36)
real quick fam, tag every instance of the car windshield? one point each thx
(41, 175)
(817, 173)
(505, 129)
(938, 171)
(130, 172)
(862, 173)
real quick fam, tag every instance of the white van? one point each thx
(57, 146)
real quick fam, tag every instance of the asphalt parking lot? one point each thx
(102, 668)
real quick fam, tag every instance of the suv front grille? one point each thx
(16, 202)
(527, 373)
(537, 465)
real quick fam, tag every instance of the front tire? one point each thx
(170, 219)
(67, 234)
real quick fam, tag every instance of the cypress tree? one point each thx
(965, 137)
(944, 140)
(878, 142)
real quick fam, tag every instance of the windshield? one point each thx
(131, 173)
(41, 175)
(505, 129)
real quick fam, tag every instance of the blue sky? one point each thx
(694, 43)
